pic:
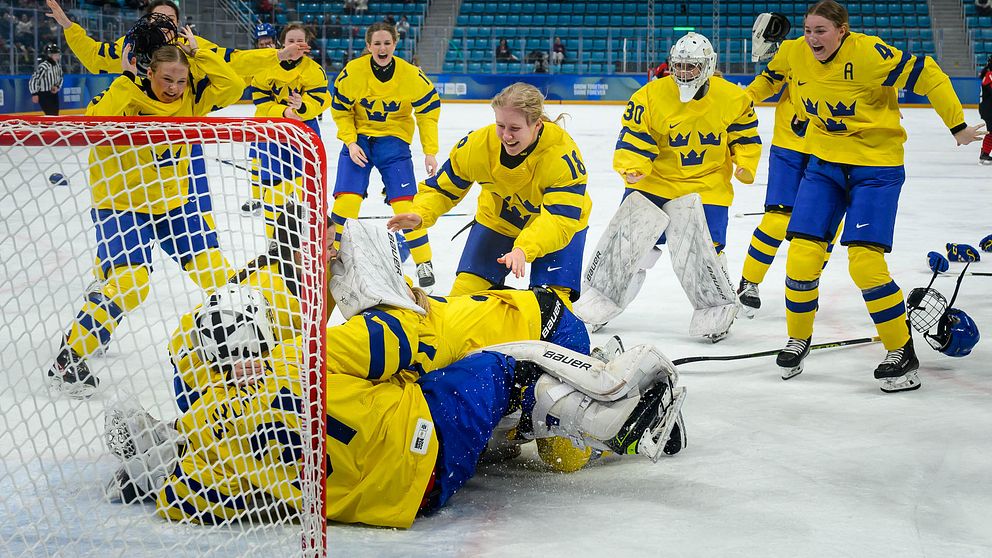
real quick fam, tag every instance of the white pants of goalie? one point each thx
(627, 249)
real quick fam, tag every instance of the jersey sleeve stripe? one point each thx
(643, 136)
(568, 211)
(744, 141)
(396, 328)
(890, 80)
(579, 189)
(629, 147)
(425, 98)
(741, 127)
(211, 495)
(914, 75)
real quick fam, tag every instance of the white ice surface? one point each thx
(822, 465)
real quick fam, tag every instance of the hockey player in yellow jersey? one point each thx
(846, 84)
(533, 207)
(399, 441)
(787, 159)
(376, 101)
(140, 200)
(681, 138)
(295, 88)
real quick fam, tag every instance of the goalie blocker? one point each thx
(626, 250)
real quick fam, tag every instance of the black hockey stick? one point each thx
(233, 164)
(750, 214)
(390, 216)
(975, 273)
(830, 345)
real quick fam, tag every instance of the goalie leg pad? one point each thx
(622, 250)
(701, 272)
(629, 372)
(368, 271)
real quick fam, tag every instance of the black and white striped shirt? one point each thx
(47, 75)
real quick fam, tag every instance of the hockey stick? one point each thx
(390, 216)
(830, 345)
(975, 273)
(751, 214)
(233, 164)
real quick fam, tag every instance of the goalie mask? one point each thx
(150, 33)
(692, 62)
(234, 324)
(767, 33)
(368, 271)
(957, 334)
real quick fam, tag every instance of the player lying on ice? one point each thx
(235, 451)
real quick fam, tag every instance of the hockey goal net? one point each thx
(122, 312)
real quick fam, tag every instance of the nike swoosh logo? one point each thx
(554, 268)
(861, 225)
(802, 82)
(404, 185)
(672, 126)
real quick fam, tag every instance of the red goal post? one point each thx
(51, 454)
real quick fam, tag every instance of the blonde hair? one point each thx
(421, 298)
(525, 98)
(165, 54)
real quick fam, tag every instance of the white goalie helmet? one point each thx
(692, 62)
(235, 323)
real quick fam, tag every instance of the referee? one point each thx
(47, 80)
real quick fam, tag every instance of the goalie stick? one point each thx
(972, 273)
(829, 345)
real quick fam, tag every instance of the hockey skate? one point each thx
(650, 427)
(425, 275)
(609, 350)
(985, 159)
(897, 372)
(790, 359)
(70, 375)
(252, 207)
(747, 293)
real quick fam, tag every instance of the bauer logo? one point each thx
(422, 436)
(565, 359)
(592, 267)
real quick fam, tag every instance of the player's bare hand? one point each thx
(127, 60)
(247, 372)
(291, 114)
(357, 154)
(58, 14)
(191, 45)
(515, 261)
(430, 164)
(34, 99)
(970, 134)
(634, 177)
(744, 175)
(294, 51)
(404, 222)
(295, 100)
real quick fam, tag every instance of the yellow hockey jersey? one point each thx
(100, 57)
(542, 202)
(244, 450)
(193, 375)
(684, 148)
(851, 100)
(790, 125)
(271, 84)
(364, 105)
(153, 179)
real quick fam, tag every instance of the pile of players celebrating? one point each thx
(419, 388)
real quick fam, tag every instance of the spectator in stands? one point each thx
(265, 10)
(503, 52)
(659, 71)
(983, 7)
(403, 27)
(539, 59)
(361, 6)
(334, 30)
(349, 6)
(985, 111)
(388, 18)
(557, 52)
(47, 80)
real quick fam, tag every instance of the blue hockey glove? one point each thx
(938, 263)
(962, 253)
(986, 244)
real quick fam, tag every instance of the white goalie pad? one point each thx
(368, 271)
(630, 371)
(701, 272)
(620, 253)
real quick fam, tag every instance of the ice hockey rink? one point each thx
(822, 465)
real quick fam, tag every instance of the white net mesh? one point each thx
(248, 456)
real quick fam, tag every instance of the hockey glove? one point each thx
(962, 253)
(986, 244)
(938, 263)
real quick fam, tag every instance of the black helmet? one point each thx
(52, 48)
